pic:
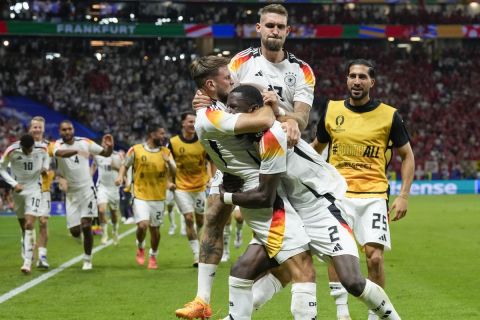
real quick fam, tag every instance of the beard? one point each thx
(358, 97)
(157, 142)
(222, 96)
(273, 44)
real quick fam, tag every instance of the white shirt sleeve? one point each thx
(4, 162)
(93, 147)
(305, 85)
(273, 150)
(218, 120)
(128, 161)
(56, 147)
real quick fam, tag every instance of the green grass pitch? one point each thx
(433, 272)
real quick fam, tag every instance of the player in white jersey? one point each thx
(27, 162)
(273, 30)
(108, 195)
(37, 130)
(315, 190)
(73, 155)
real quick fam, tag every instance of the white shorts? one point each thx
(190, 201)
(151, 210)
(27, 202)
(326, 226)
(369, 219)
(170, 200)
(282, 233)
(81, 204)
(108, 196)
(45, 204)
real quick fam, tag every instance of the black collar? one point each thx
(367, 107)
(193, 140)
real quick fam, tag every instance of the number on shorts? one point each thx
(333, 234)
(199, 204)
(158, 216)
(35, 202)
(376, 221)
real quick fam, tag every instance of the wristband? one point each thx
(227, 198)
(281, 112)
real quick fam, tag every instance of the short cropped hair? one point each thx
(273, 8)
(206, 67)
(362, 62)
(250, 94)
(38, 118)
(26, 141)
(153, 128)
(186, 114)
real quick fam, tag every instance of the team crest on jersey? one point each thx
(290, 79)
(339, 120)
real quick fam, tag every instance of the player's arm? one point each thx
(4, 162)
(107, 145)
(259, 120)
(93, 168)
(298, 119)
(65, 153)
(322, 138)
(318, 146)
(408, 171)
(261, 197)
(127, 162)
(171, 165)
(45, 163)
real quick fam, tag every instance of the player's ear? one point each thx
(372, 83)
(257, 27)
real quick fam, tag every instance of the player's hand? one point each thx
(231, 183)
(107, 141)
(63, 184)
(18, 188)
(293, 132)
(399, 206)
(201, 100)
(270, 99)
(165, 156)
(119, 181)
(171, 186)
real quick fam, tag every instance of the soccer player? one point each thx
(73, 155)
(108, 194)
(191, 179)
(151, 163)
(269, 66)
(315, 190)
(37, 130)
(27, 161)
(361, 133)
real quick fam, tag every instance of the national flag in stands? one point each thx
(333, 31)
(373, 31)
(3, 27)
(198, 30)
(471, 31)
(397, 31)
(426, 32)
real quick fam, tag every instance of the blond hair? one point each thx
(206, 67)
(38, 118)
(273, 8)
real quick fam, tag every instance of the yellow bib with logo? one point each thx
(360, 148)
(149, 174)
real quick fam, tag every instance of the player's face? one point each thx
(158, 137)
(359, 82)
(66, 131)
(236, 104)
(37, 129)
(27, 151)
(189, 124)
(223, 83)
(273, 31)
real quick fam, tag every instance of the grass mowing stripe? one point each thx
(50, 274)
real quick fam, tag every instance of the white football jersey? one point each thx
(292, 79)
(25, 169)
(76, 169)
(106, 174)
(230, 153)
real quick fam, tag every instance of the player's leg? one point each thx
(43, 230)
(271, 283)
(211, 248)
(156, 209)
(186, 204)
(114, 208)
(141, 213)
(238, 227)
(28, 242)
(19, 205)
(170, 213)
(86, 225)
(227, 230)
(102, 217)
(338, 293)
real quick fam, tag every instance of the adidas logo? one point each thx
(19, 158)
(259, 74)
(337, 248)
(383, 238)
(387, 314)
(212, 274)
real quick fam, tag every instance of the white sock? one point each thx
(226, 239)
(239, 227)
(264, 289)
(377, 300)
(87, 258)
(140, 245)
(182, 223)
(171, 217)
(104, 227)
(195, 247)
(206, 275)
(153, 253)
(42, 252)
(304, 300)
(240, 298)
(372, 315)
(115, 227)
(28, 245)
(340, 295)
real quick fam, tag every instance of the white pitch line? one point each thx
(46, 276)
